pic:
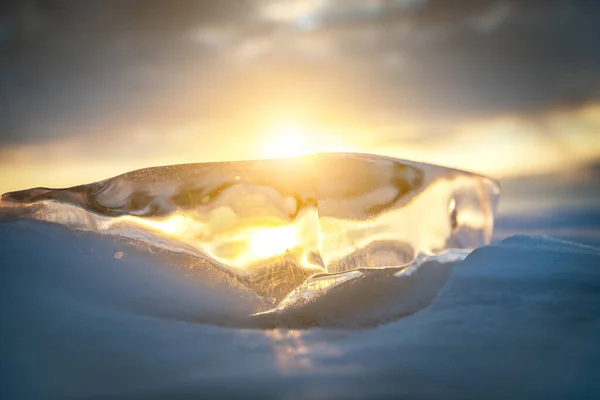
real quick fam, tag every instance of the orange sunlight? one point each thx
(500, 147)
(287, 139)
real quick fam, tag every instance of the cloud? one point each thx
(72, 68)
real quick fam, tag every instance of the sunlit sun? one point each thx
(287, 139)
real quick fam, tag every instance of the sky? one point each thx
(91, 89)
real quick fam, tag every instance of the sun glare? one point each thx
(286, 140)
(262, 242)
(270, 242)
(173, 226)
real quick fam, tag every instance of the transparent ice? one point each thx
(288, 229)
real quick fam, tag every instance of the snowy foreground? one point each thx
(519, 319)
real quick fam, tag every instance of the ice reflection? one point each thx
(298, 351)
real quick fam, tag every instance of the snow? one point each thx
(517, 319)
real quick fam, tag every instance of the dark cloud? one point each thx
(541, 54)
(68, 66)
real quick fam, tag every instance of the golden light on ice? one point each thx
(270, 242)
(259, 243)
(174, 225)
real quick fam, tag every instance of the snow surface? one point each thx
(518, 319)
